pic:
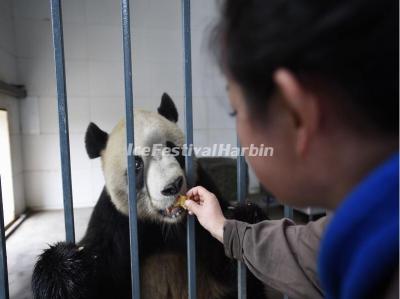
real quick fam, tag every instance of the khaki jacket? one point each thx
(279, 253)
(284, 255)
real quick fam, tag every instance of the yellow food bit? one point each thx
(180, 201)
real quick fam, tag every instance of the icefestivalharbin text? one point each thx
(214, 150)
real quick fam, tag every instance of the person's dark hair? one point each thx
(352, 44)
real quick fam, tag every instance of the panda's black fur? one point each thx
(99, 265)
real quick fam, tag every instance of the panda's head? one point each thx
(160, 175)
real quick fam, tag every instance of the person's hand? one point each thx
(205, 206)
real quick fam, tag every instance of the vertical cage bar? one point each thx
(191, 241)
(58, 42)
(241, 197)
(288, 213)
(133, 229)
(3, 253)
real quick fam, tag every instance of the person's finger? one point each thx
(198, 190)
(192, 206)
(192, 192)
(193, 197)
(201, 191)
(196, 198)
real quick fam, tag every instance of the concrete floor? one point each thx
(28, 241)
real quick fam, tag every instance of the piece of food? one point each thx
(180, 201)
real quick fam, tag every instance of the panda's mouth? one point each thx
(172, 212)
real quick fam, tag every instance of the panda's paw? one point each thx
(62, 271)
(247, 212)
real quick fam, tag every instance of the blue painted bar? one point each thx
(191, 237)
(288, 213)
(3, 253)
(242, 283)
(133, 229)
(58, 42)
(241, 197)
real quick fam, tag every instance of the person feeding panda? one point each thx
(318, 81)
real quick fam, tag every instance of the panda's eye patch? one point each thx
(176, 150)
(138, 163)
(170, 144)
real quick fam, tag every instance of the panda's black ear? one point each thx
(95, 140)
(167, 108)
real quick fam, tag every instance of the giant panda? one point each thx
(99, 265)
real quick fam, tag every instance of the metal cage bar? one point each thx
(133, 229)
(3, 253)
(288, 213)
(241, 197)
(58, 41)
(187, 66)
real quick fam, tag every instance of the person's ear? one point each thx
(302, 105)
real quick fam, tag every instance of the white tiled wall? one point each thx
(92, 34)
(8, 73)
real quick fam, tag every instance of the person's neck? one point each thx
(355, 159)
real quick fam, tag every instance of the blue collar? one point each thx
(359, 251)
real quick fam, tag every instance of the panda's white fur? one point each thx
(159, 170)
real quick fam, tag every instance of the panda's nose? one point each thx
(174, 187)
